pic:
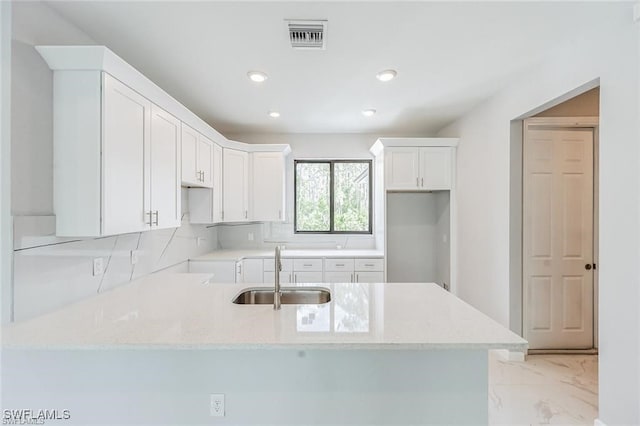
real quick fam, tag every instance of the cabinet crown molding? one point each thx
(383, 143)
(101, 58)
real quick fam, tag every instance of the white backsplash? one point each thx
(269, 234)
(50, 272)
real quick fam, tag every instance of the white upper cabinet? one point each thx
(235, 185)
(402, 168)
(197, 158)
(126, 199)
(165, 169)
(117, 158)
(267, 186)
(205, 204)
(436, 167)
(418, 168)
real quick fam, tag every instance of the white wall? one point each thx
(5, 161)
(304, 146)
(610, 54)
(49, 272)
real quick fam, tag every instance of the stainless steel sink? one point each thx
(290, 296)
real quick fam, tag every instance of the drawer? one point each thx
(369, 264)
(301, 265)
(269, 265)
(336, 265)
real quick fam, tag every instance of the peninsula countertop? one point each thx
(185, 311)
(239, 254)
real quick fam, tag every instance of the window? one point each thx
(333, 196)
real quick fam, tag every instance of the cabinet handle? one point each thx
(417, 181)
(279, 214)
(422, 182)
(246, 214)
(222, 215)
(295, 278)
(150, 214)
(339, 264)
(157, 215)
(308, 265)
(351, 277)
(369, 265)
(357, 278)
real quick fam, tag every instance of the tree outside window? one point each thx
(333, 196)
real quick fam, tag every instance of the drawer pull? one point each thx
(339, 264)
(308, 265)
(369, 265)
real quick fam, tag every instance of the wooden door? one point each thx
(402, 168)
(558, 239)
(165, 170)
(125, 166)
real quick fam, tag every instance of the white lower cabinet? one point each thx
(221, 271)
(369, 277)
(308, 277)
(251, 271)
(338, 277)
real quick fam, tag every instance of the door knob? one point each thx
(587, 266)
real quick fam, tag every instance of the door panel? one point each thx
(401, 168)
(165, 174)
(205, 160)
(235, 183)
(435, 168)
(558, 239)
(125, 144)
(189, 155)
(268, 186)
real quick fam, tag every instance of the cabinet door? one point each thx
(286, 277)
(402, 168)
(308, 277)
(338, 277)
(220, 271)
(435, 168)
(189, 156)
(267, 186)
(165, 170)
(125, 163)
(252, 271)
(205, 161)
(235, 184)
(369, 277)
(216, 206)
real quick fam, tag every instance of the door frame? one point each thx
(559, 123)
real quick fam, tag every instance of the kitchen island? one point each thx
(153, 351)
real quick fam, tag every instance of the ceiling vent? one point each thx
(311, 35)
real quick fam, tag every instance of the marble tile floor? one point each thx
(545, 389)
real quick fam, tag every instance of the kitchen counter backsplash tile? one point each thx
(51, 272)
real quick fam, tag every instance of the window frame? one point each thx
(331, 196)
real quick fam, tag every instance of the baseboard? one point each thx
(598, 422)
(564, 351)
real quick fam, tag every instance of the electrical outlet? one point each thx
(134, 257)
(250, 236)
(98, 266)
(217, 405)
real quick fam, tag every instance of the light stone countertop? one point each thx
(236, 255)
(185, 311)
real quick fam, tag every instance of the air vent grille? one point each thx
(307, 34)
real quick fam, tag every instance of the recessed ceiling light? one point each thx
(368, 112)
(386, 75)
(274, 114)
(257, 76)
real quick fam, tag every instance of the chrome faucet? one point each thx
(276, 291)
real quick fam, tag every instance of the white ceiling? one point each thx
(449, 57)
